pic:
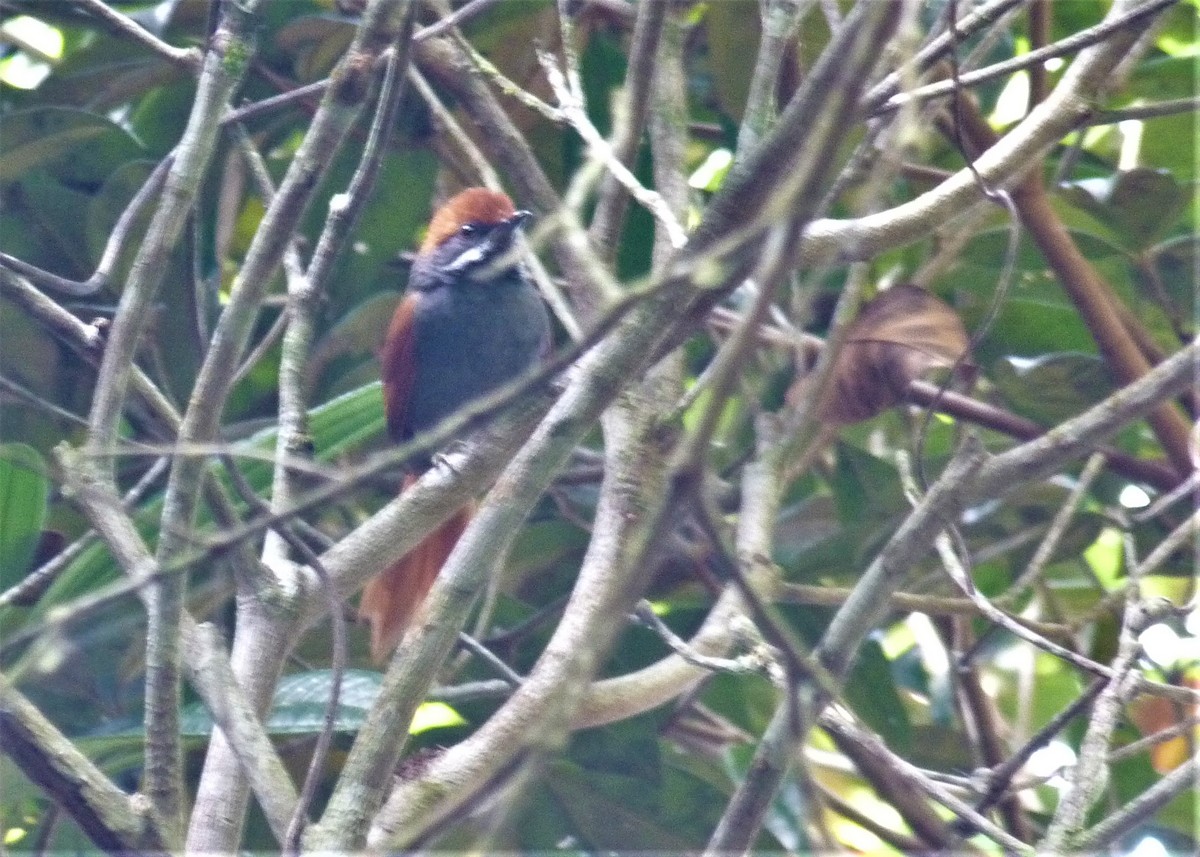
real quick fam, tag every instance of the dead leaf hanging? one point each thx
(898, 337)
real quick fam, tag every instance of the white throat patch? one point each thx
(467, 259)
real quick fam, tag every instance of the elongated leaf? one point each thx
(23, 489)
(1054, 387)
(1140, 206)
(300, 703)
(49, 136)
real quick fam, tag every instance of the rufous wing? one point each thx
(397, 361)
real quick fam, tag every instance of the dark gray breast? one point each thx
(470, 339)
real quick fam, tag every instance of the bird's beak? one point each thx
(510, 227)
(500, 239)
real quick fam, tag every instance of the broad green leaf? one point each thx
(941, 747)
(871, 692)
(315, 42)
(19, 158)
(301, 701)
(1175, 263)
(865, 486)
(544, 543)
(161, 116)
(356, 335)
(605, 822)
(785, 814)
(338, 427)
(110, 203)
(733, 29)
(1030, 324)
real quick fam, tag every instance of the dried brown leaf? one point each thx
(898, 337)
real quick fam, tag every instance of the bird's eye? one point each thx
(467, 229)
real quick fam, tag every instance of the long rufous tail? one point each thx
(390, 601)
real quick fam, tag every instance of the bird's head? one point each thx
(466, 237)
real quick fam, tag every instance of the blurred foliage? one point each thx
(80, 131)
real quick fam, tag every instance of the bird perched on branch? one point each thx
(470, 322)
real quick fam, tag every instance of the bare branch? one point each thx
(188, 58)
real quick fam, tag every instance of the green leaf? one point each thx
(866, 486)
(786, 814)
(23, 491)
(606, 822)
(20, 158)
(301, 700)
(871, 692)
(733, 29)
(161, 116)
(75, 144)
(1175, 263)
(338, 427)
(1140, 205)
(1054, 387)
(110, 203)
(356, 335)
(1031, 325)
(315, 43)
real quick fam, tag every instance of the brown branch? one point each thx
(984, 723)
(1156, 473)
(933, 605)
(1041, 16)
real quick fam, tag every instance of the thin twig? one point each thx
(1151, 110)
(1059, 524)
(1175, 730)
(112, 819)
(505, 84)
(573, 112)
(1069, 45)
(749, 664)
(23, 392)
(320, 754)
(928, 56)
(188, 58)
(953, 564)
(511, 676)
(630, 119)
(1090, 774)
(999, 778)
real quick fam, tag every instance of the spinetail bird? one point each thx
(466, 326)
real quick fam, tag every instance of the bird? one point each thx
(470, 321)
